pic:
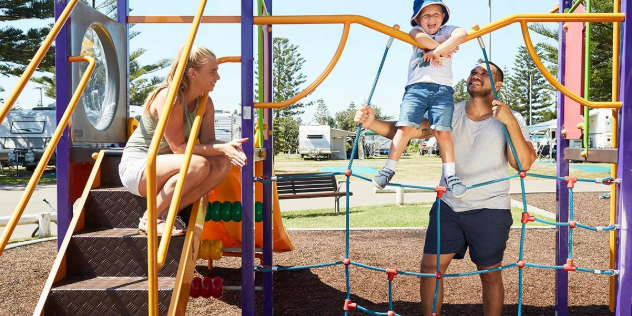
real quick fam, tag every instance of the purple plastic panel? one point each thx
(247, 172)
(122, 9)
(624, 252)
(268, 169)
(63, 93)
(561, 196)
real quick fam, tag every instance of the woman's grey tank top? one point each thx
(141, 138)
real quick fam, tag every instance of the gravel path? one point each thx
(322, 291)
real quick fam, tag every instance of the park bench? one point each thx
(309, 187)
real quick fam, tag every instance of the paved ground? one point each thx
(363, 194)
(11, 196)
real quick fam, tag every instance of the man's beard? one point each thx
(482, 92)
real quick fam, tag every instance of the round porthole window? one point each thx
(100, 95)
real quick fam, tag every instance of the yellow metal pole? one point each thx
(37, 59)
(177, 194)
(317, 82)
(152, 243)
(616, 46)
(39, 170)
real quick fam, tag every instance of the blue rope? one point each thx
(438, 281)
(570, 229)
(390, 295)
(453, 275)
(368, 266)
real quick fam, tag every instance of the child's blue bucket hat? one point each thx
(420, 4)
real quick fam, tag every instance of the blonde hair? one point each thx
(198, 57)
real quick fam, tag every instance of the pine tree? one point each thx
(527, 88)
(460, 91)
(322, 113)
(286, 76)
(344, 118)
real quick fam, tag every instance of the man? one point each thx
(481, 220)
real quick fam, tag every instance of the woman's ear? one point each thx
(191, 73)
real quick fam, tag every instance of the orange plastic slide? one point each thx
(230, 232)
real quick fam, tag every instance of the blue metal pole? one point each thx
(268, 168)
(63, 91)
(247, 172)
(561, 196)
(623, 286)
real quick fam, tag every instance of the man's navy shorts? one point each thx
(484, 231)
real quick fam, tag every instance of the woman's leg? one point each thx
(219, 168)
(167, 173)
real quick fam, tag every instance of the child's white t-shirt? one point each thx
(420, 71)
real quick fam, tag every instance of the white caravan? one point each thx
(321, 141)
(24, 135)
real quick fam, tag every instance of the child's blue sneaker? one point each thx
(383, 178)
(455, 185)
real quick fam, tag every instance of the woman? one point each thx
(211, 160)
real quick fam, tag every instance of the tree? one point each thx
(460, 91)
(344, 118)
(527, 88)
(286, 75)
(17, 47)
(600, 52)
(322, 116)
(286, 134)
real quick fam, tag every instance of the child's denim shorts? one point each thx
(420, 97)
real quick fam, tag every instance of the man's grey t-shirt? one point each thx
(480, 153)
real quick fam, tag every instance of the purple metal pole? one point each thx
(561, 196)
(624, 260)
(63, 91)
(247, 172)
(268, 168)
(122, 9)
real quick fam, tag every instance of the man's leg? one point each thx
(427, 285)
(493, 291)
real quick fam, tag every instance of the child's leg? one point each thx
(402, 136)
(446, 150)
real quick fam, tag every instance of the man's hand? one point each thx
(235, 153)
(364, 116)
(502, 112)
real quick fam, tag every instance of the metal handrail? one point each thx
(177, 194)
(37, 59)
(48, 152)
(152, 238)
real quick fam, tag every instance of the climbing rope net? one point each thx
(526, 218)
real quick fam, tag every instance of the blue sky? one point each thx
(353, 76)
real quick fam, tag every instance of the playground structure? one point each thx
(78, 173)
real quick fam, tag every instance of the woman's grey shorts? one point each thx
(131, 169)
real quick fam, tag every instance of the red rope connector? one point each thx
(391, 274)
(608, 181)
(438, 275)
(391, 313)
(571, 181)
(523, 174)
(348, 173)
(440, 191)
(572, 224)
(569, 266)
(526, 218)
(521, 264)
(349, 305)
(434, 314)
(347, 261)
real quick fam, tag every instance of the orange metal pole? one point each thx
(317, 82)
(48, 153)
(229, 59)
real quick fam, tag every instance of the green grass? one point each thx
(9, 177)
(12, 241)
(391, 215)
(413, 167)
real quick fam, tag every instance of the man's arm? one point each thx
(524, 149)
(366, 116)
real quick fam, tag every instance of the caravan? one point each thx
(322, 141)
(24, 136)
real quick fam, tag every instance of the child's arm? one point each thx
(423, 39)
(446, 48)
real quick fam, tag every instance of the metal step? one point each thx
(108, 208)
(106, 296)
(116, 253)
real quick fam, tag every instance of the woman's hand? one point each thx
(235, 153)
